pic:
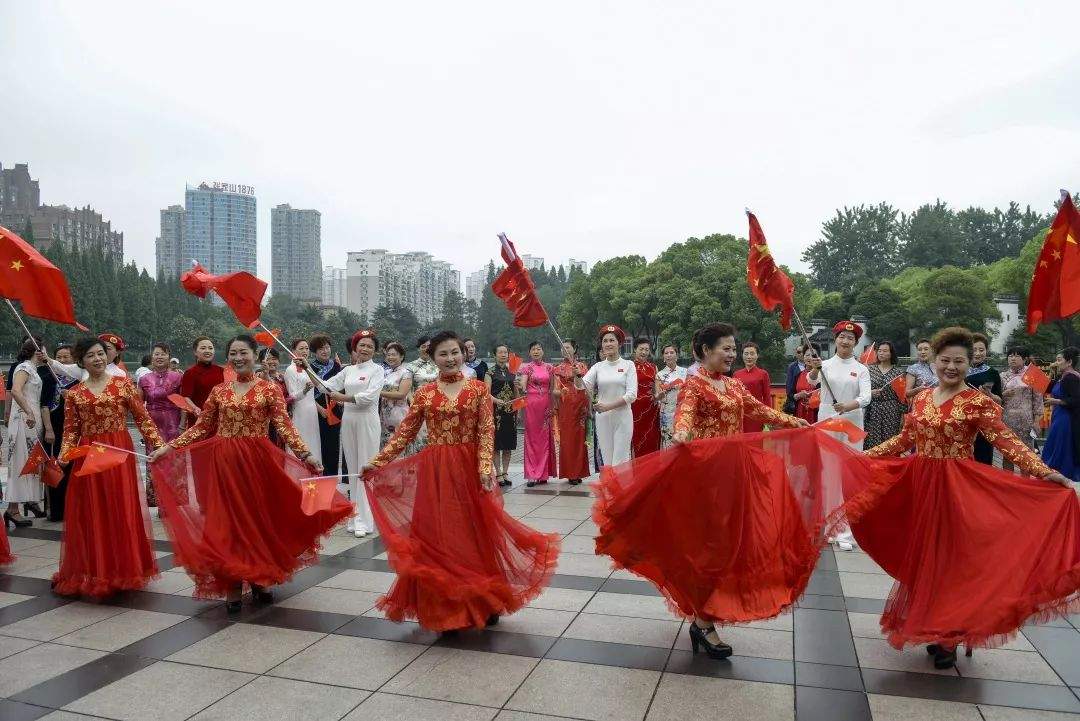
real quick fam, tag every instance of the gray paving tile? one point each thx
(284, 700)
(745, 641)
(901, 708)
(579, 544)
(67, 716)
(472, 677)
(353, 580)
(332, 600)
(121, 630)
(624, 604)
(7, 599)
(582, 564)
(78, 682)
(739, 668)
(971, 690)
(35, 665)
(507, 642)
(407, 632)
(60, 621)
(682, 697)
(1060, 647)
(14, 711)
(823, 637)
(1003, 713)
(174, 638)
(1007, 666)
(557, 512)
(820, 675)
(163, 692)
(597, 693)
(826, 704)
(535, 621)
(562, 599)
(246, 647)
(406, 708)
(623, 655)
(857, 563)
(560, 580)
(875, 653)
(9, 645)
(865, 585)
(624, 630)
(362, 663)
(525, 716)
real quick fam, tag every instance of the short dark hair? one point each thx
(421, 341)
(84, 346)
(497, 346)
(642, 339)
(531, 345)
(1020, 351)
(394, 345)
(28, 349)
(892, 349)
(672, 346)
(245, 339)
(709, 335)
(802, 348)
(954, 336)
(163, 346)
(980, 338)
(571, 342)
(298, 341)
(145, 361)
(318, 341)
(1070, 353)
(63, 345)
(445, 336)
(750, 344)
(195, 343)
(468, 340)
(921, 341)
(272, 352)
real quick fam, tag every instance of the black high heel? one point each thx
(232, 607)
(16, 521)
(944, 658)
(33, 508)
(493, 620)
(698, 637)
(261, 595)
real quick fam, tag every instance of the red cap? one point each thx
(116, 340)
(849, 326)
(365, 333)
(612, 328)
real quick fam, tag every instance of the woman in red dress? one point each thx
(976, 552)
(244, 521)
(106, 544)
(573, 414)
(729, 526)
(461, 560)
(645, 409)
(804, 391)
(201, 378)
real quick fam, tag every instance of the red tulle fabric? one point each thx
(729, 529)
(6, 556)
(106, 544)
(976, 552)
(232, 510)
(459, 557)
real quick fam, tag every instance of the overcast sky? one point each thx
(583, 129)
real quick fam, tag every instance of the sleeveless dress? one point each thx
(21, 440)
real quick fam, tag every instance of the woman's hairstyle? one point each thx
(444, 336)
(318, 341)
(1020, 351)
(1070, 353)
(163, 346)
(394, 345)
(421, 341)
(63, 345)
(980, 338)
(672, 346)
(28, 349)
(497, 346)
(145, 361)
(921, 341)
(709, 335)
(468, 340)
(195, 343)
(954, 336)
(642, 339)
(890, 346)
(271, 352)
(84, 346)
(245, 339)
(297, 342)
(571, 342)
(536, 343)
(750, 344)
(350, 344)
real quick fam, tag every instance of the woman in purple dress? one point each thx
(156, 387)
(537, 380)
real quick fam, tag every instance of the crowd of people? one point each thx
(236, 453)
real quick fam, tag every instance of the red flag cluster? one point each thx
(769, 284)
(241, 291)
(269, 338)
(869, 356)
(1055, 285)
(26, 276)
(516, 289)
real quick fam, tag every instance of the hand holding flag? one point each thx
(842, 425)
(899, 387)
(184, 404)
(518, 404)
(99, 459)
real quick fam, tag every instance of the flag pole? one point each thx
(31, 337)
(122, 450)
(291, 354)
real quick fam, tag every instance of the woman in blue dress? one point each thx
(1062, 449)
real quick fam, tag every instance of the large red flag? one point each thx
(99, 459)
(33, 461)
(769, 284)
(515, 288)
(241, 291)
(1055, 285)
(39, 285)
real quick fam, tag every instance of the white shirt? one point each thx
(612, 381)
(666, 376)
(142, 370)
(72, 370)
(849, 380)
(363, 382)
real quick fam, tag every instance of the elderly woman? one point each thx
(1022, 404)
(885, 414)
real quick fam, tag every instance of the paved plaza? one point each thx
(596, 645)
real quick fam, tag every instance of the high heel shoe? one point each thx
(33, 508)
(944, 658)
(17, 521)
(232, 607)
(699, 637)
(261, 595)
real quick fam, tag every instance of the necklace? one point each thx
(451, 377)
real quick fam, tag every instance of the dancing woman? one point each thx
(573, 415)
(734, 550)
(976, 552)
(106, 546)
(461, 560)
(247, 525)
(614, 382)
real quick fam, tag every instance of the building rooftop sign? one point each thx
(233, 188)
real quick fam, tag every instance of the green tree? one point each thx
(932, 238)
(951, 296)
(887, 318)
(857, 243)
(396, 323)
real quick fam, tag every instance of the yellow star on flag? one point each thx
(16, 265)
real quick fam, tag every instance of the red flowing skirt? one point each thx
(646, 427)
(459, 556)
(106, 544)
(232, 510)
(573, 456)
(6, 556)
(728, 529)
(976, 552)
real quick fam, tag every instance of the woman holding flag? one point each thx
(106, 544)
(323, 366)
(305, 411)
(25, 431)
(248, 525)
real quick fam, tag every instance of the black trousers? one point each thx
(330, 445)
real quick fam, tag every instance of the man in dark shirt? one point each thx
(793, 370)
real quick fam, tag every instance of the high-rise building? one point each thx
(531, 262)
(220, 227)
(295, 253)
(334, 285)
(19, 197)
(581, 265)
(169, 247)
(474, 285)
(377, 277)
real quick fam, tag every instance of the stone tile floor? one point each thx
(595, 645)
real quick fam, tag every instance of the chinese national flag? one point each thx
(75, 452)
(33, 462)
(518, 404)
(842, 425)
(52, 473)
(869, 356)
(1036, 378)
(331, 417)
(515, 288)
(318, 494)
(769, 284)
(899, 387)
(99, 459)
(241, 291)
(183, 403)
(1055, 285)
(39, 285)
(514, 364)
(814, 401)
(268, 339)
